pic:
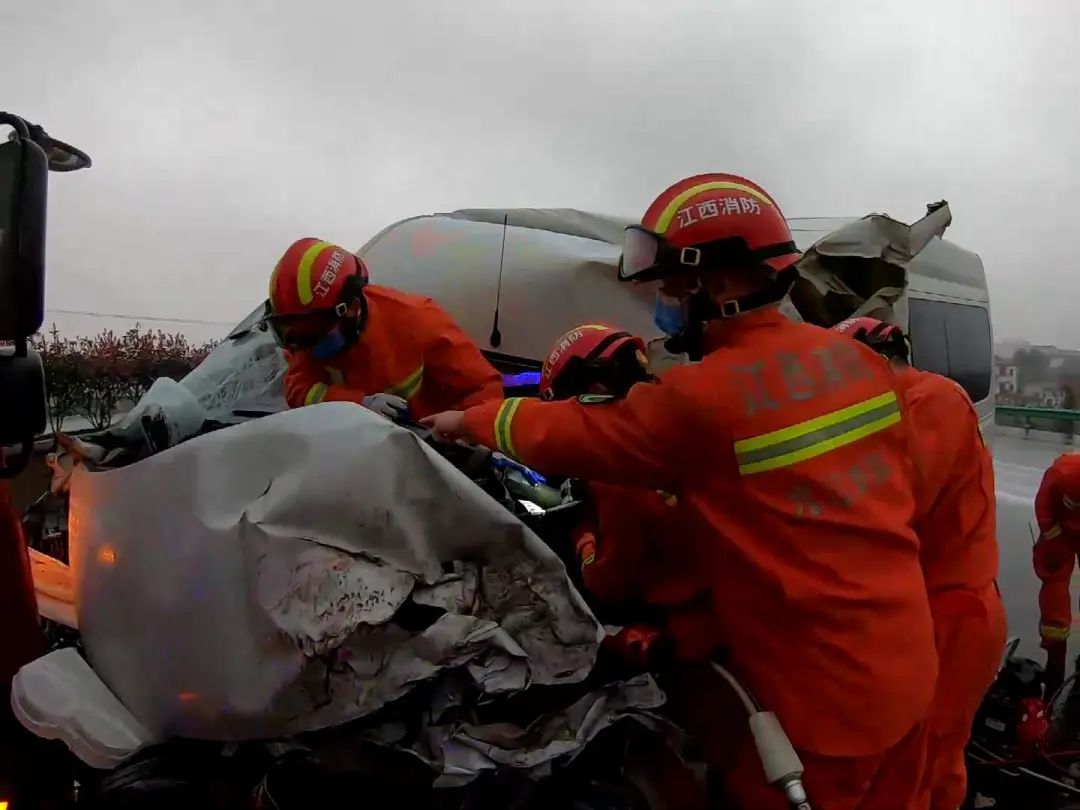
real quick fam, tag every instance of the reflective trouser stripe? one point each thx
(815, 437)
(503, 422)
(315, 394)
(1069, 502)
(1052, 532)
(1053, 633)
(407, 388)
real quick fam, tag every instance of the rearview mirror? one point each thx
(24, 172)
(23, 411)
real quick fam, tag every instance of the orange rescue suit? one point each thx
(956, 508)
(1057, 510)
(22, 637)
(409, 347)
(632, 548)
(788, 452)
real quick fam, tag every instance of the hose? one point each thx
(779, 761)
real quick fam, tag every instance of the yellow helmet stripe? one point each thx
(303, 274)
(673, 207)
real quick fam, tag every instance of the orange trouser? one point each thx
(708, 710)
(969, 628)
(889, 780)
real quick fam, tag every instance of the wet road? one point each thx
(1019, 465)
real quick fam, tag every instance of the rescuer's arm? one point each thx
(454, 363)
(1048, 502)
(306, 384)
(653, 438)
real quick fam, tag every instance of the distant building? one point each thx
(1007, 377)
(1034, 375)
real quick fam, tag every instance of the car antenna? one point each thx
(496, 335)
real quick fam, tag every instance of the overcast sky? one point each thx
(221, 133)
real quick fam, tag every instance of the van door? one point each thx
(953, 337)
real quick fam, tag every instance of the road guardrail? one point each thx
(1051, 420)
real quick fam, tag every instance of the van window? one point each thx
(952, 340)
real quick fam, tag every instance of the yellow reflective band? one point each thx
(1069, 502)
(815, 437)
(315, 394)
(407, 388)
(336, 377)
(303, 274)
(503, 421)
(673, 207)
(1052, 532)
(589, 560)
(1052, 633)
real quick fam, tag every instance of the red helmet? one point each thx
(884, 338)
(592, 354)
(315, 288)
(711, 221)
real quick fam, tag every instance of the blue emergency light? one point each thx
(521, 379)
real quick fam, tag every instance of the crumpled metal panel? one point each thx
(243, 584)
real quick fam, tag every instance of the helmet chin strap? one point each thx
(352, 326)
(771, 293)
(704, 308)
(347, 332)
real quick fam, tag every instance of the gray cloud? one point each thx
(219, 133)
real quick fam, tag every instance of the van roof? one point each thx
(942, 268)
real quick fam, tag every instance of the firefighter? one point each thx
(628, 548)
(955, 521)
(597, 360)
(625, 547)
(1057, 511)
(397, 354)
(787, 448)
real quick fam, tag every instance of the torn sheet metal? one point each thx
(862, 267)
(459, 752)
(250, 582)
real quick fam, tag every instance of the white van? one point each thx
(545, 271)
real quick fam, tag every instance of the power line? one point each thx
(139, 317)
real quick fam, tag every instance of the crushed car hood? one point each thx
(249, 582)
